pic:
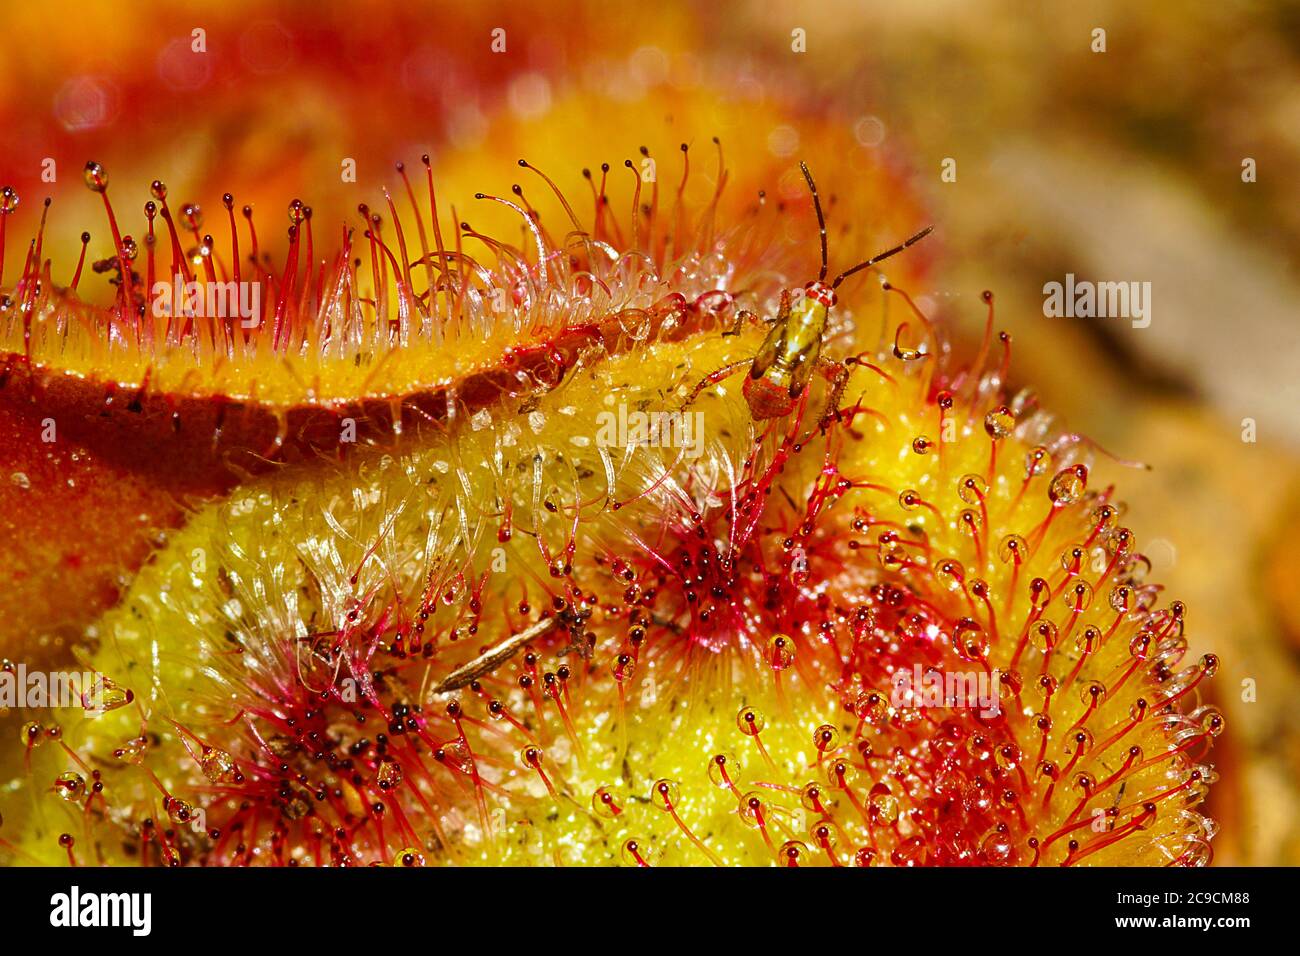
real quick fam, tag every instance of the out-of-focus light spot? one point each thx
(869, 131)
(181, 69)
(1161, 553)
(749, 88)
(649, 65)
(783, 141)
(615, 79)
(530, 96)
(466, 126)
(85, 102)
(790, 187)
(266, 47)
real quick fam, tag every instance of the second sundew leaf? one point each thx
(299, 578)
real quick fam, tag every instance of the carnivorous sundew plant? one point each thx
(616, 533)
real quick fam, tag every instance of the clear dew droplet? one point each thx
(217, 765)
(96, 177)
(723, 770)
(884, 805)
(999, 423)
(390, 774)
(1037, 462)
(104, 695)
(409, 857)
(972, 489)
(1013, 548)
(70, 786)
(1068, 486)
(178, 810)
(969, 640)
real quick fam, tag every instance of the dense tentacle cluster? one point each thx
(913, 636)
(328, 331)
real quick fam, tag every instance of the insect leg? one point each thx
(742, 316)
(712, 379)
(783, 310)
(781, 319)
(838, 375)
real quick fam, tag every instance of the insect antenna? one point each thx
(884, 255)
(821, 219)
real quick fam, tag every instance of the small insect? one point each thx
(791, 352)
